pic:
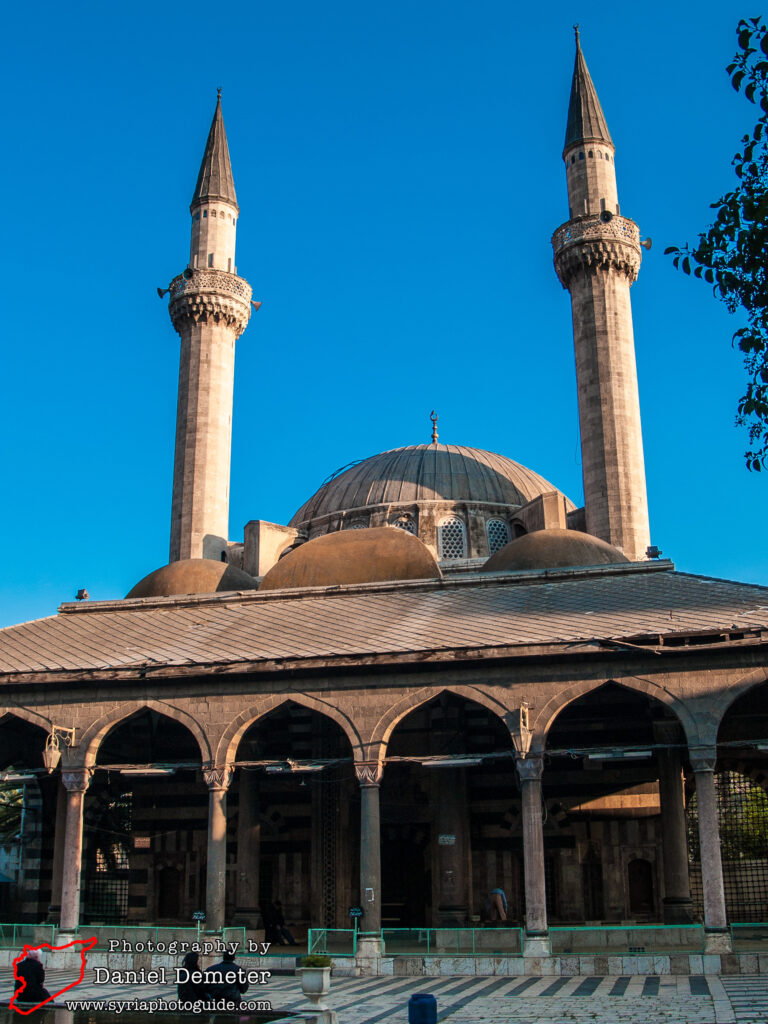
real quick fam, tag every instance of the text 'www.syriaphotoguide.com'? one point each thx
(160, 1005)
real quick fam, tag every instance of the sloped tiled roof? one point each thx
(607, 602)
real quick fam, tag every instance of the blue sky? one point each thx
(399, 176)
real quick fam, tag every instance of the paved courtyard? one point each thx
(665, 999)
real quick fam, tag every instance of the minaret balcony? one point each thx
(210, 296)
(217, 282)
(594, 227)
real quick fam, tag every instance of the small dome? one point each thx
(426, 472)
(553, 549)
(193, 576)
(373, 555)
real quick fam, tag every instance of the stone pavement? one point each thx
(636, 999)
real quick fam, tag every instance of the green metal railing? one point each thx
(332, 941)
(626, 940)
(749, 938)
(452, 941)
(14, 936)
(159, 935)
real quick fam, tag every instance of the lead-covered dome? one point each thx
(426, 472)
(377, 555)
(192, 576)
(553, 549)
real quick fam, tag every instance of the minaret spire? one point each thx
(210, 307)
(597, 258)
(586, 120)
(215, 180)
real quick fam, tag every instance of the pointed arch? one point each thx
(226, 749)
(391, 718)
(89, 743)
(543, 721)
(722, 703)
(27, 715)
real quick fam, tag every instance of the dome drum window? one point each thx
(406, 522)
(498, 534)
(452, 541)
(356, 524)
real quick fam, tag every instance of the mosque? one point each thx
(439, 678)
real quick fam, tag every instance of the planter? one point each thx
(315, 984)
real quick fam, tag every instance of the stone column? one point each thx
(248, 849)
(449, 792)
(59, 837)
(677, 891)
(76, 782)
(529, 771)
(703, 761)
(217, 780)
(369, 775)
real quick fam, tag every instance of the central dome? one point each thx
(426, 472)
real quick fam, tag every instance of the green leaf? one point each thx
(671, 248)
(686, 266)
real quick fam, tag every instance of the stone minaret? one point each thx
(210, 306)
(597, 258)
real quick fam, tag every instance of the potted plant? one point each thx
(315, 975)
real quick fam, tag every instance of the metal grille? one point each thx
(108, 899)
(498, 535)
(452, 538)
(356, 524)
(742, 807)
(329, 829)
(407, 523)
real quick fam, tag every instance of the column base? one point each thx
(536, 945)
(677, 910)
(717, 942)
(368, 956)
(69, 958)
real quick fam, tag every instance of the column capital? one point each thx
(369, 773)
(218, 777)
(703, 759)
(529, 768)
(76, 780)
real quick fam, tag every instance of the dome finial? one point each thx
(218, 91)
(576, 33)
(434, 417)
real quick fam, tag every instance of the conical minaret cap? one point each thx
(215, 179)
(586, 120)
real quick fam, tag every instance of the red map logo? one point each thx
(84, 945)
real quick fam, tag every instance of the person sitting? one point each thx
(225, 980)
(30, 975)
(192, 991)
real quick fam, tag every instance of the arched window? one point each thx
(406, 522)
(591, 152)
(497, 532)
(452, 538)
(356, 524)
